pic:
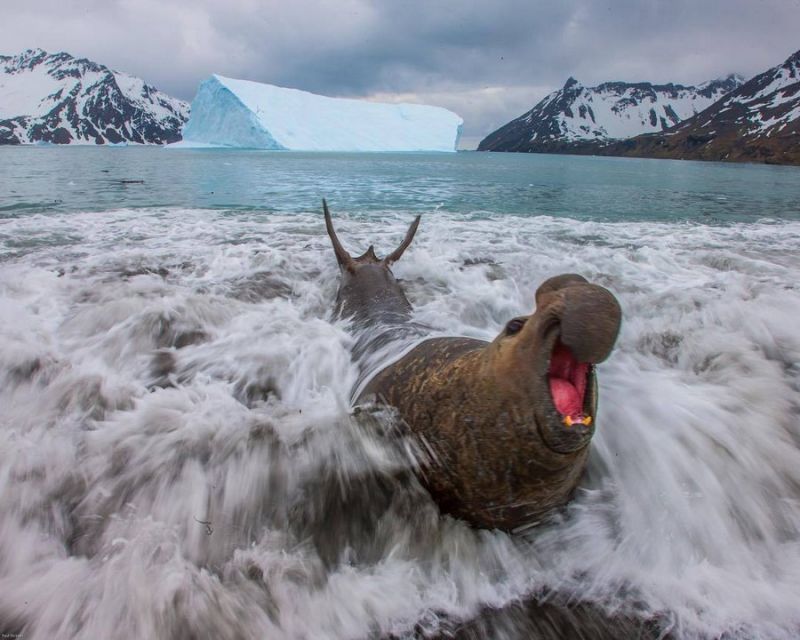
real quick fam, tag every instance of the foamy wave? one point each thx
(177, 454)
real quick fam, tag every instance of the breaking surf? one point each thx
(179, 457)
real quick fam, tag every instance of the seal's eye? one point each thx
(514, 326)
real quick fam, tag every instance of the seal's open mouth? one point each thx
(568, 380)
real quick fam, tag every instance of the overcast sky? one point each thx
(489, 61)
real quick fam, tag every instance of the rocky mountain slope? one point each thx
(614, 110)
(758, 122)
(60, 99)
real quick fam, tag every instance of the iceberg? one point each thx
(245, 114)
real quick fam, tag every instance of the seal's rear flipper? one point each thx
(346, 261)
(394, 256)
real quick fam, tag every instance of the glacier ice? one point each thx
(245, 114)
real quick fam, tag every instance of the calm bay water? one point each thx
(46, 179)
(177, 452)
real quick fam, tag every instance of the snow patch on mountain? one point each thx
(62, 99)
(609, 111)
(757, 122)
(239, 113)
(773, 101)
(616, 110)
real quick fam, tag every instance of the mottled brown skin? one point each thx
(501, 454)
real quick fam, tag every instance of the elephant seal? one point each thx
(508, 422)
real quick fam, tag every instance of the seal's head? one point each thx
(548, 358)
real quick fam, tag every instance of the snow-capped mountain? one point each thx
(61, 99)
(758, 122)
(610, 111)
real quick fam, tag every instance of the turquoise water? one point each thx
(178, 455)
(48, 179)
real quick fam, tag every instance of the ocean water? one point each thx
(178, 455)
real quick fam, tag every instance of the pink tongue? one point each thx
(567, 381)
(566, 397)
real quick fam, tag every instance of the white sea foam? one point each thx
(177, 455)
